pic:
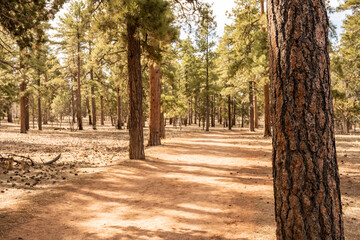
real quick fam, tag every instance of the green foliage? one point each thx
(346, 66)
(20, 17)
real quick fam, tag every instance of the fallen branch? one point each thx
(19, 156)
(54, 160)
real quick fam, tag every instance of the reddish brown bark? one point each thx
(305, 169)
(136, 141)
(155, 105)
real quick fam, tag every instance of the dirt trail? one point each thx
(215, 185)
(202, 186)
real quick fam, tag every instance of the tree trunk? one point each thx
(189, 112)
(78, 90)
(118, 110)
(195, 109)
(220, 116)
(207, 86)
(305, 169)
(234, 112)
(207, 110)
(39, 105)
(162, 126)
(89, 110)
(27, 112)
(102, 120)
(229, 112)
(93, 106)
(155, 105)
(242, 114)
(251, 108)
(136, 141)
(9, 114)
(267, 126)
(73, 105)
(212, 111)
(256, 121)
(22, 106)
(46, 103)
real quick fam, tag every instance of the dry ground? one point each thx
(197, 185)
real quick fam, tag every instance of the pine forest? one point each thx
(180, 119)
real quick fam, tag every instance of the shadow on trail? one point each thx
(159, 198)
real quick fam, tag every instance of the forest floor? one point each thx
(197, 185)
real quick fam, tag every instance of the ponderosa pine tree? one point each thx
(205, 44)
(267, 127)
(305, 169)
(19, 18)
(155, 105)
(73, 27)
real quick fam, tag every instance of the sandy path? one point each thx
(202, 186)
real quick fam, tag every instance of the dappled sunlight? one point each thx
(221, 189)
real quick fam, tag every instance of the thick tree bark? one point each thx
(229, 112)
(251, 108)
(102, 120)
(118, 109)
(267, 126)
(155, 105)
(305, 169)
(136, 142)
